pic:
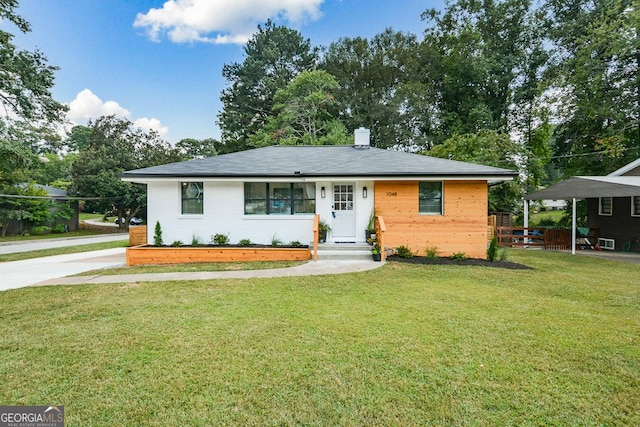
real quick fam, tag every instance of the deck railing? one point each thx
(546, 238)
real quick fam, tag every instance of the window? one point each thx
(635, 206)
(192, 193)
(605, 206)
(430, 198)
(279, 198)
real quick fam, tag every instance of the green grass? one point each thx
(177, 268)
(401, 345)
(534, 218)
(63, 250)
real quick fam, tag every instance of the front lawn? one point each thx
(400, 345)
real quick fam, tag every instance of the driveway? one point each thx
(34, 245)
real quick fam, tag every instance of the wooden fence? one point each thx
(546, 238)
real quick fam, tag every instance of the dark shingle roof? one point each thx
(318, 161)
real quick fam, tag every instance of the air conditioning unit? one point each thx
(609, 244)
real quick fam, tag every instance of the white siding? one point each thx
(224, 213)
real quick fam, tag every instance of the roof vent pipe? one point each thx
(362, 137)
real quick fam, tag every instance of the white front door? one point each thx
(343, 227)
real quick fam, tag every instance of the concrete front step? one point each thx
(344, 251)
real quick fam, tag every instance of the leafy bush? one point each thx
(59, 228)
(492, 251)
(458, 256)
(195, 241)
(431, 252)
(404, 252)
(177, 243)
(41, 229)
(295, 244)
(157, 235)
(503, 254)
(220, 239)
(547, 222)
(244, 242)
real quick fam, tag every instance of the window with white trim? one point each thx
(192, 194)
(430, 198)
(605, 206)
(635, 205)
(279, 198)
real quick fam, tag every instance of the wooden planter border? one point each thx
(144, 255)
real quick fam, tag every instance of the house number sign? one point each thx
(392, 193)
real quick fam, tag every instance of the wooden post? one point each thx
(316, 236)
(380, 229)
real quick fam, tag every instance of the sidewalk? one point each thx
(34, 245)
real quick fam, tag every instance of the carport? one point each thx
(584, 187)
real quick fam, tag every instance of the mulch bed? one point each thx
(469, 261)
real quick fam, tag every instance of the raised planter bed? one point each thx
(143, 255)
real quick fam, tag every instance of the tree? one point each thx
(382, 86)
(273, 57)
(491, 148)
(197, 148)
(486, 58)
(306, 114)
(595, 71)
(114, 146)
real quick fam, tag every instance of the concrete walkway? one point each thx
(311, 268)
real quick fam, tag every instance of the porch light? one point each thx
(322, 192)
(364, 192)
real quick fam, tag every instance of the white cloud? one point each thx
(221, 21)
(152, 124)
(88, 106)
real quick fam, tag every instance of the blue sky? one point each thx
(159, 63)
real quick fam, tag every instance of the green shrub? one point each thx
(59, 228)
(220, 239)
(492, 251)
(245, 242)
(157, 235)
(41, 229)
(503, 254)
(458, 256)
(275, 241)
(177, 243)
(295, 244)
(195, 241)
(431, 252)
(404, 252)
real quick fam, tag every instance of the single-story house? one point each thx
(275, 192)
(613, 204)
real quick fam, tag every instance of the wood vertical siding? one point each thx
(461, 228)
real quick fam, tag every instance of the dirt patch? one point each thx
(469, 261)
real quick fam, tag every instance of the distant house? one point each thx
(613, 204)
(275, 192)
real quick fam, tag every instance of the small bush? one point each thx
(547, 222)
(59, 228)
(157, 235)
(41, 229)
(295, 244)
(503, 254)
(177, 243)
(245, 242)
(404, 252)
(220, 239)
(275, 241)
(492, 251)
(195, 241)
(458, 256)
(431, 252)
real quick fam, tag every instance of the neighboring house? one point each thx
(613, 204)
(275, 192)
